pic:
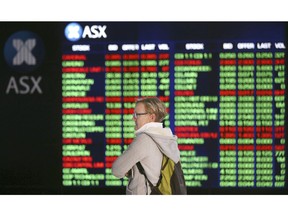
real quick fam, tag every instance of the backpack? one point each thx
(171, 180)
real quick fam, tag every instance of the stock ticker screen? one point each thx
(223, 83)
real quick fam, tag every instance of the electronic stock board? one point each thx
(68, 91)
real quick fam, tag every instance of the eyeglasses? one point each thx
(136, 115)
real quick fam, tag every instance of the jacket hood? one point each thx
(165, 140)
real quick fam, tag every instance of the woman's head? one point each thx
(150, 109)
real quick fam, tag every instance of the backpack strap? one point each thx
(142, 171)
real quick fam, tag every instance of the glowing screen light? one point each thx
(225, 97)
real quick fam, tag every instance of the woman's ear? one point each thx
(153, 117)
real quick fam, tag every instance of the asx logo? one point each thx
(24, 53)
(74, 31)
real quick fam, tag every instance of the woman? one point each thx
(147, 147)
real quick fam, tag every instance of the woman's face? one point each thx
(141, 117)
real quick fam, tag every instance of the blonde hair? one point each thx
(154, 105)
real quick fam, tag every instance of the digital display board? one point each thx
(224, 86)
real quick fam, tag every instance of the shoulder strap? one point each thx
(142, 171)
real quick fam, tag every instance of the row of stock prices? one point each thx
(226, 104)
